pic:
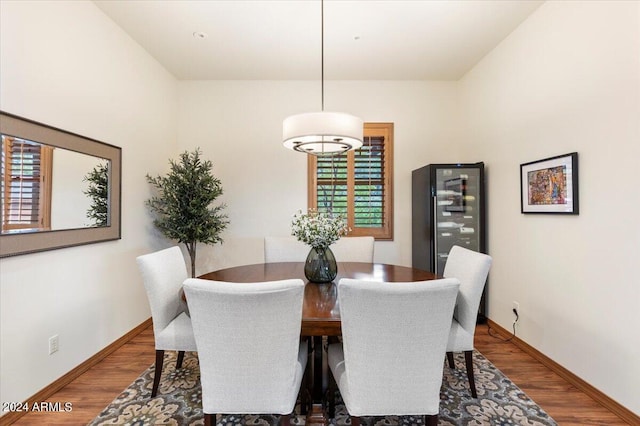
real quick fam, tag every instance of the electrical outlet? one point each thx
(516, 306)
(54, 344)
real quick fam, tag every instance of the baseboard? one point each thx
(611, 405)
(54, 387)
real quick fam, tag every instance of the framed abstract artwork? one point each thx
(550, 185)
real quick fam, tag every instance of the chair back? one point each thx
(284, 249)
(248, 340)
(163, 273)
(471, 268)
(394, 340)
(353, 249)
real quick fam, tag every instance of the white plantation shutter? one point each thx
(369, 183)
(358, 184)
(26, 184)
(332, 184)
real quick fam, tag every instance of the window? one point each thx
(358, 184)
(26, 184)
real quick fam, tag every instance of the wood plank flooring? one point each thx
(561, 400)
(96, 388)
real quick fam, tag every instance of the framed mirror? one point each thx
(59, 189)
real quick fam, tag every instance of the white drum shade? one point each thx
(322, 133)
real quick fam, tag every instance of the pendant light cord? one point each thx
(322, 51)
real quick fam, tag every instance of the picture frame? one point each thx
(69, 146)
(550, 185)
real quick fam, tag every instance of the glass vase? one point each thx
(320, 266)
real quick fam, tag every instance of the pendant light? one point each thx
(322, 133)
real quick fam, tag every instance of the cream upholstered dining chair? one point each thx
(394, 340)
(249, 349)
(353, 249)
(284, 249)
(163, 273)
(471, 268)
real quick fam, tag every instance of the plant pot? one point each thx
(320, 266)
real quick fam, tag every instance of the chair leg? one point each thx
(331, 398)
(355, 421)
(306, 388)
(180, 359)
(468, 357)
(450, 359)
(305, 399)
(158, 372)
(332, 386)
(431, 420)
(209, 419)
(285, 420)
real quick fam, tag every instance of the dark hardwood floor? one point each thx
(96, 388)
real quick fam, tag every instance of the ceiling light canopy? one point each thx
(322, 133)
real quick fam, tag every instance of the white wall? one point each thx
(238, 125)
(568, 79)
(67, 65)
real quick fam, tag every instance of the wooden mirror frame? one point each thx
(32, 242)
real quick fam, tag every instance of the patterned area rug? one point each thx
(499, 402)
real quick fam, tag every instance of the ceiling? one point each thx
(281, 40)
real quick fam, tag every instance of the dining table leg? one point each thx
(317, 414)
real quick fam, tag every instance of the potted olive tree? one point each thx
(98, 192)
(183, 203)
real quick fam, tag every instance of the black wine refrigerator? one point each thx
(448, 208)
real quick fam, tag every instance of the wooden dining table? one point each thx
(320, 311)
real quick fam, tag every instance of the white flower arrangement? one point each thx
(317, 229)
